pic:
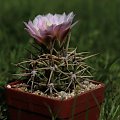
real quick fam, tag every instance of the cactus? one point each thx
(56, 67)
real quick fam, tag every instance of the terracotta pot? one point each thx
(26, 106)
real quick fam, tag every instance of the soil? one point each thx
(85, 86)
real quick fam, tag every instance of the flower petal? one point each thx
(70, 17)
(50, 27)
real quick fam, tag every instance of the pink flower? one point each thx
(50, 27)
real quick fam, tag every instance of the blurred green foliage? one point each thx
(98, 31)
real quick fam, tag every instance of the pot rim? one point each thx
(102, 85)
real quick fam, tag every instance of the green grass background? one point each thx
(98, 31)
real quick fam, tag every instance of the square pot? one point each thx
(26, 106)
